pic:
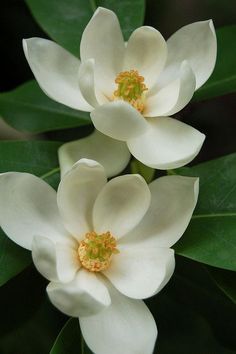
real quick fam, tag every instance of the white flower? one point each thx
(131, 88)
(103, 246)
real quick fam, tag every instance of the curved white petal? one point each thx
(146, 52)
(102, 40)
(112, 154)
(55, 262)
(140, 272)
(125, 327)
(56, 71)
(77, 192)
(85, 295)
(28, 207)
(172, 204)
(86, 82)
(167, 144)
(173, 97)
(195, 43)
(121, 204)
(119, 120)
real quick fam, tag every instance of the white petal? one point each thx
(86, 82)
(119, 120)
(102, 41)
(168, 144)
(83, 296)
(125, 327)
(28, 207)
(56, 71)
(54, 261)
(112, 154)
(173, 97)
(121, 204)
(140, 272)
(195, 43)
(77, 192)
(146, 52)
(173, 201)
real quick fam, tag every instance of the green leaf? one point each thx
(29, 322)
(13, 259)
(36, 157)
(64, 20)
(70, 340)
(210, 237)
(40, 159)
(226, 280)
(223, 79)
(27, 108)
(193, 311)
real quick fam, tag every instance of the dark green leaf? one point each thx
(13, 259)
(223, 79)
(226, 280)
(39, 158)
(210, 237)
(29, 323)
(68, 340)
(64, 20)
(192, 314)
(27, 108)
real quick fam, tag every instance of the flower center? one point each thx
(131, 88)
(95, 251)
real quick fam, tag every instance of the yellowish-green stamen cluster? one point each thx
(131, 88)
(95, 251)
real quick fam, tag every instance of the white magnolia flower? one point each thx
(131, 88)
(103, 246)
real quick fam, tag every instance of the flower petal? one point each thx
(121, 204)
(146, 52)
(195, 43)
(168, 144)
(102, 41)
(112, 154)
(173, 97)
(86, 82)
(140, 272)
(85, 295)
(77, 192)
(54, 261)
(56, 71)
(119, 120)
(173, 201)
(125, 327)
(28, 207)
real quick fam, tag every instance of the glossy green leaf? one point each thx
(39, 158)
(226, 280)
(210, 237)
(223, 79)
(64, 20)
(28, 109)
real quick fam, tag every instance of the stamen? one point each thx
(95, 251)
(131, 88)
